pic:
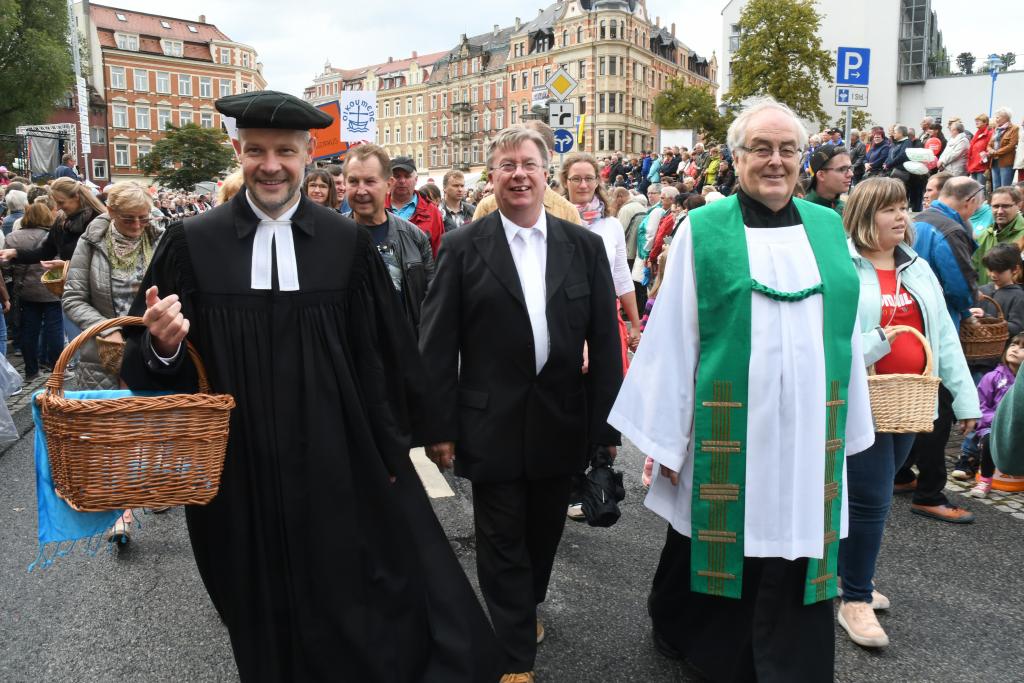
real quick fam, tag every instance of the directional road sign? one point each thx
(851, 96)
(853, 65)
(561, 84)
(563, 141)
(561, 114)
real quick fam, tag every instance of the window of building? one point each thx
(117, 78)
(419, 159)
(121, 155)
(141, 118)
(144, 150)
(579, 35)
(501, 119)
(205, 86)
(99, 169)
(206, 119)
(121, 17)
(433, 157)
(120, 115)
(612, 66)
(433, 129)
(602, 67)
(512, 86)
(524, 80)
(419, 104)
(474, 94)
(398, 135)
(387, 110)
(172, 48)
(245, 60)
(246, 86)
(600, 140)
(499, 89)
(192, 29)
(419, 132)
(487, 121)
(98, 135)
(601, 35)
(408, 105)
(444, 128)
(185, 85)
(163, 117)
(536, 78)
(226, 87)
(444, 156)
(476, 153)
(387, 136)
(524, 112)
(184, 116)
(398, 107)
(408, 133)
(600, 103)
(583, 105)
(225, 55)
(611, 103)
(127, 41)
(141, 80)
(512, 115)
(474, 125)
(163, 82)
(613, 31)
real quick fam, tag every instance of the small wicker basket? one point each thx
(905, 404)
(54, 279)
(985, 338)
(138, 451)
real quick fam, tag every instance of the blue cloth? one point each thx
(1002, 176)
(948, 245)
(409, 209)
(869, 478)
(344, 209)
(60, 526)
(63, 171)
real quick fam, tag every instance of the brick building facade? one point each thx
(152, 71)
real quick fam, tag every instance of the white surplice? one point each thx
(785, 454)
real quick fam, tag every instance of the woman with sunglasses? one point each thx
(106, 270)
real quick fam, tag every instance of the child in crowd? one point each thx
(991, 391)
(1003, 262)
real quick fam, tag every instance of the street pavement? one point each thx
(140, 613)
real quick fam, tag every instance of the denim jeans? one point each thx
(980, 177)
(1002, 176)
(48, 316)
(869, 487)
(3, 335)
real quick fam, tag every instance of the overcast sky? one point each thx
(293, 48)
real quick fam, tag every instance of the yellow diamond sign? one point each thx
(561, 84)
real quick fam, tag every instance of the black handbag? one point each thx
(602, 491)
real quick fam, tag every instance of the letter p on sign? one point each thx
(853, 65)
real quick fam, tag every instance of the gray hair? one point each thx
(16, 200)
(1005, 111)
(511, 138)
(904, 131)
(737, 136)
(669, 191)
(654, 187)
(928, 121)
(958, 126)
(960, 189)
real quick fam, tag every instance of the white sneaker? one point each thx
(861, 624)
(878, 601)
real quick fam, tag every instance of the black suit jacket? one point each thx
(506, 420)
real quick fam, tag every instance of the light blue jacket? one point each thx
(654, 175)
(915, 275)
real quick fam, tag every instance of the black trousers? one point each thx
(518, 527)
(929, 454)
(767, 636)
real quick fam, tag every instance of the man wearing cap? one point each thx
(320, 551)
(831, 174)
(412, 205)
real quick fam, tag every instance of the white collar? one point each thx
(284, 217)
(511, 229)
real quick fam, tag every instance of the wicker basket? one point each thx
(111, 354)
(905, 404)
(54, 279)
(985, 338)
(138, 451)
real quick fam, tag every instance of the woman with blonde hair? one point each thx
(229, 187)
(898, 288)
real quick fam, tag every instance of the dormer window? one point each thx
(165, 24)
(172, 48)
(127, 41)
(192, 29)
(121, 17)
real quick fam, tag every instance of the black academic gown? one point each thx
(319, 566)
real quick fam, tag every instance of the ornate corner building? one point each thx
(486, 82)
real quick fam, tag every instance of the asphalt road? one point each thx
(141, 614)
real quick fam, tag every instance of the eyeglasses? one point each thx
(841, 170)
(141, 220)
(579, 180)
(508, 167)
(764, 152)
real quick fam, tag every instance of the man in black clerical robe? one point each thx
(320, 552)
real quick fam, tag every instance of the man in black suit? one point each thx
(515, 297)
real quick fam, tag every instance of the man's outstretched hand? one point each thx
(165, 322)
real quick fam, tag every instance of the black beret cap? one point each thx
(272, 109)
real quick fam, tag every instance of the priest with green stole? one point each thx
(748, 391)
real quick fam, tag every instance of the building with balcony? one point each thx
(153, 70)
(400, 86)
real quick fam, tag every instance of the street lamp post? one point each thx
(992, 64)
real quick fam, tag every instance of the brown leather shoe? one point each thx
(944, 513)
(524, 677)
(907, 487)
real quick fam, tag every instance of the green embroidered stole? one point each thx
(724, 292)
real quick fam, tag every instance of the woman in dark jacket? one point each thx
(875, 158)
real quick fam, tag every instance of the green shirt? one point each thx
(990, 237)
(837, 204)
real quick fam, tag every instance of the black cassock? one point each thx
(321, 568)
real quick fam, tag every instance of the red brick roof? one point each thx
(422, 61)
(149, 24)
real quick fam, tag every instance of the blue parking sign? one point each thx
(852, 65)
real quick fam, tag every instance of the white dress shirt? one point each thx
(530, 253)
(276, 232)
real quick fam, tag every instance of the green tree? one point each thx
(687, 106)
(1008, 59)
(188, 155)
(861, 120)
(35, 60)
(965, 62)
(780, 55)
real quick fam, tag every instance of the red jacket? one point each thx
(664, 228)
(427, 217)
(979, 143)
